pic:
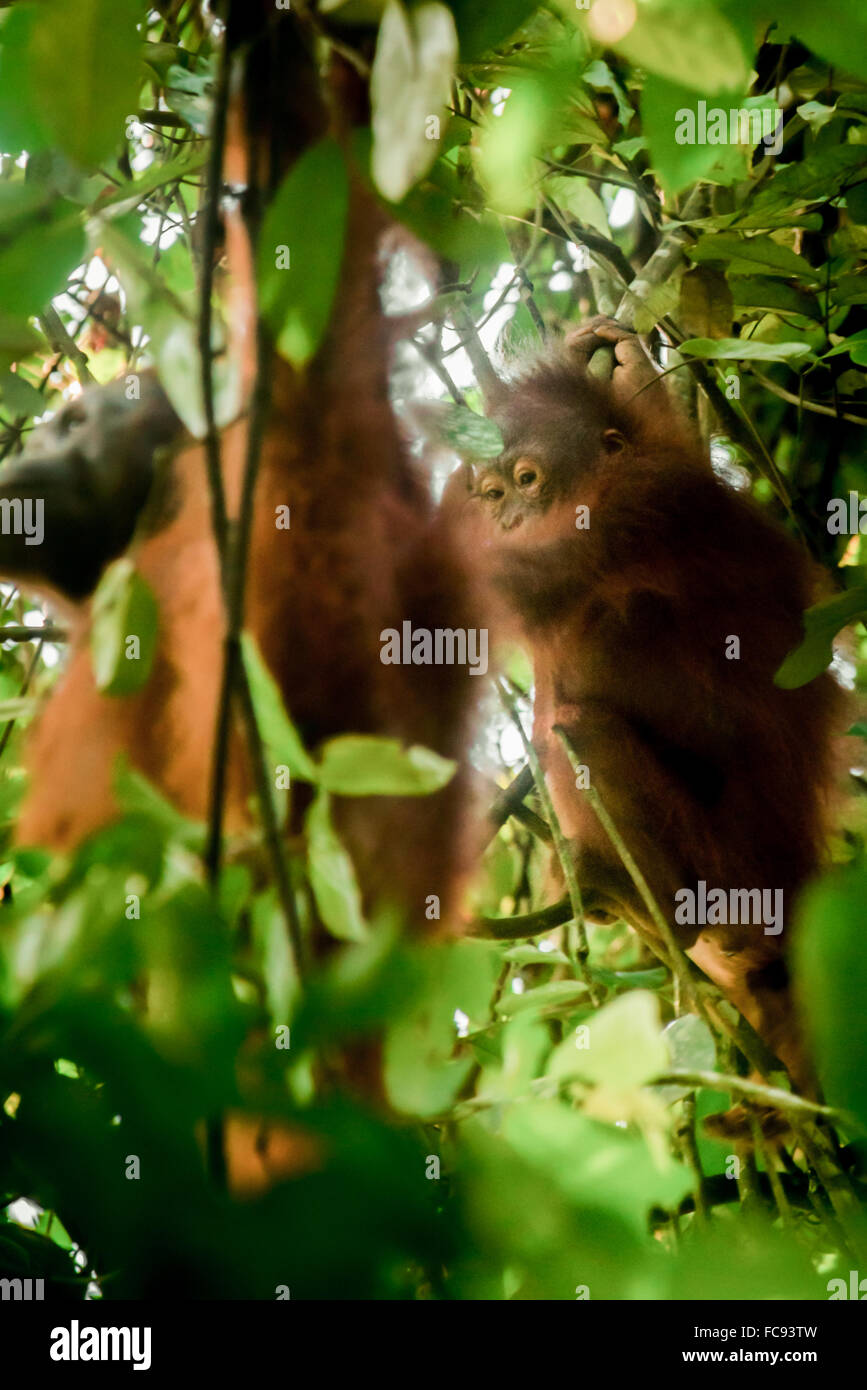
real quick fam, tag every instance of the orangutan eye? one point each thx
(492, 494)
(526, 475)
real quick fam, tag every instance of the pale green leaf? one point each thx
(361, 765)
(626, 1047)
(123, 608)
(278, 732)
(415, 58)
(332, 876)
(301, 250)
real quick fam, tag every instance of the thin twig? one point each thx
(270, 825)
(530, 924)
(61, 341)
(211, 222)
(847, 1208)
(428, 353)
(25, 686)
(752, 1090)
(599, 246)
(677, 957)
(766, 1150)
(688, 1145)
(215, 1153)
(814, 406)
(577, 947)
(19, 632)
(511, 796)
(489, 383)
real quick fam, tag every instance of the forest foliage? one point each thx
(519, 1163)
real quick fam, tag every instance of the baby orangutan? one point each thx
(657, 602)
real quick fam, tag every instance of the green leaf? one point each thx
(123, 634)
(40, 243)
(20, 124)
(278, 732)
(816, 114)
(301, 251)
(856, 203)
(85, 71)
(17, 707)
(424, 1063)
(482, 27)
(691, 1047)
(410, 81)
(477, 246)
(615, 1168)
(599, 76)
(511, 142)
(686, 43)
(332, 876)
(138, 797)
(747, 254)
(654, 978)
(853, 345)
(628, 149)
(745, 350)
(361, 765)
(171, 320)
(706, 305)
(816, 179)
(17, 339)
(130, 195)
(19, 396)
(843, 42)
(575, 196)
(532, 955)
(174, 343)
(278, 966)
(763, 292)
(691, 1044)
(679, 165)
(460, 429)
(159, 57)
(831, 966)
(822, 622)
(188, 93)
(850, 289)
(626, 1047)
(558, 997)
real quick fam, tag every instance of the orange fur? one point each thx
(366, 551)
(708, 769)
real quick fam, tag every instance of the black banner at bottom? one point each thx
(224, 1338)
